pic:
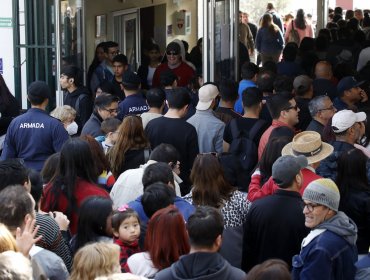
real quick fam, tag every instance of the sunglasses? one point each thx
(172, 53)
(292, 107)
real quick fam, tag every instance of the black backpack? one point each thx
(77, 104)
(244, 151)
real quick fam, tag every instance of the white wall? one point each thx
(6, 45)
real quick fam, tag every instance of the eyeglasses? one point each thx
(292, 107)
(331, 108)
(310, 207)
(172, 53)
(111, 110)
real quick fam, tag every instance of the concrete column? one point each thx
(322, 14)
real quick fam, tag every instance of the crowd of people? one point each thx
(159, 175)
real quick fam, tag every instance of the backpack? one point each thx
(77, 104)
(245, 151)
(293, 35)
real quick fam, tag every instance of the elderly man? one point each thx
(322, 110)
(348, 127)
(329, 251)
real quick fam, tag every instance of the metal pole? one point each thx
(234, 26)
(83, 41)
(212, 42)
(205, 40)
(17, 54)
(58, 94)
(322, 14)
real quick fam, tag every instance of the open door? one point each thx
(126, 34)
(220, 28)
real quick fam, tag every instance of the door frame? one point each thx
(209, 14)
(131, 14)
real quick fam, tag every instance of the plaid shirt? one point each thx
(126, 251)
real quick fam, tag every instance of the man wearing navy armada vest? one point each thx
(34, 136)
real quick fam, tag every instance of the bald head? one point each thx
(323, 70)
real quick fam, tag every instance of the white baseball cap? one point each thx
(344, 119)
(206, 94)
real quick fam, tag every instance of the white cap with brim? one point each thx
(206, 95)
(344, 119)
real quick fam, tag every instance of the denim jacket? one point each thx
(328, 252)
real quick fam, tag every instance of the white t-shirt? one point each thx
(149, 78)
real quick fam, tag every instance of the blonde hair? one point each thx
(267, 22)
(94, 260)
(120, 276)
(64, 113)
(7, 241)
(15, 266)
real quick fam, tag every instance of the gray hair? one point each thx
(316, 104)
(64, 113)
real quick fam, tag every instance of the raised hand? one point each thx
(26, 239)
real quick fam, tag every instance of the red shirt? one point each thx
(266, 135)
(183, 72)
(83, 190)
(256, 192)
(127, 250)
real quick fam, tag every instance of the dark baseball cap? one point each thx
(285, 168)
(39, 89)
(347, 83)
(173, 47)
(131, 79)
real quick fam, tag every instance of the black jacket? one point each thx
(328, 167)
(275, 228)
(84, 107)
(356, 204)
(201, 266)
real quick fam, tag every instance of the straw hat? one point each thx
(309, 144)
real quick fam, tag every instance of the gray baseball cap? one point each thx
(285, 168)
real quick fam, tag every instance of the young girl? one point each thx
(126, 230)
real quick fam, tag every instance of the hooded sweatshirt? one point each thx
(341, 225)
(201, 266)
(328, 252)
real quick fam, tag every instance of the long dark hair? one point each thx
(269, 24)
(94, 64)
(210, 186)
(130, 136)
(92, 220)
(101, 162)
(352, 172)
(76, 161)
(300, 21)
(271, 153)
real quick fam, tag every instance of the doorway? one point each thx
(220, 28)
(126, 34)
